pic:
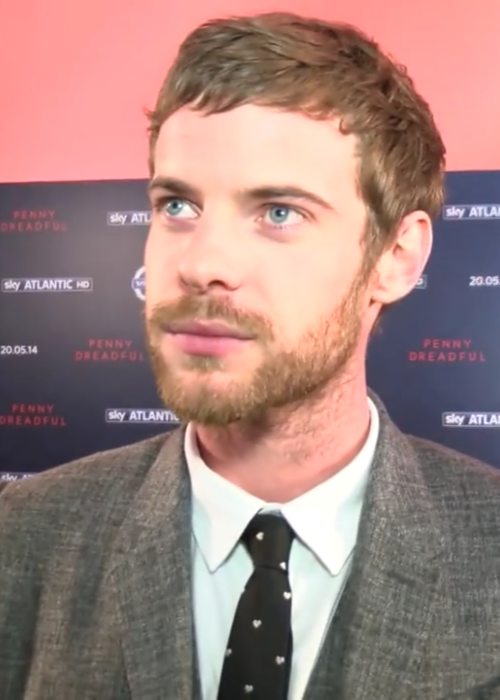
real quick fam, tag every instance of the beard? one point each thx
(283, 377)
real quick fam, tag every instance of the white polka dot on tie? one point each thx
(283, 565)
(256, 623)
(280, 660)
(287, 595)
(228, 653)
(248, 689)
(260, 536)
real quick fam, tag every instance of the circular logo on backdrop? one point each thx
(139, 283)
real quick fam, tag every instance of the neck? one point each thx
(291, 450)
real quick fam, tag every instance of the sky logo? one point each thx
(47, 284)
(468, 419)
(471, 212)
(141, 415)
(128, 218)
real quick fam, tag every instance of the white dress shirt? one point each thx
(325, 520)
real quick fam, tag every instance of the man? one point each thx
(295, 172)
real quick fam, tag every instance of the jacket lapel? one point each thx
(380, 636)
(152, 582)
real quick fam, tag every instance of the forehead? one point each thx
(250, 144)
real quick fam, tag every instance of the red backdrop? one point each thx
(75, 76)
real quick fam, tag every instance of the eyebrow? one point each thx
(175, 186)
(257, 194)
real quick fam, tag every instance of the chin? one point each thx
(196, 380)
(207, 405)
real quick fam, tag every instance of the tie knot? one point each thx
(268, 539)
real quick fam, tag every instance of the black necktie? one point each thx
(259, 651)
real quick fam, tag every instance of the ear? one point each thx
(401, 264)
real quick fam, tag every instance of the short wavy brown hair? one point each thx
(323, 70)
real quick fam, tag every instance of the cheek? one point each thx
(160, 269)
(308, 290)
(312, 282)
(154, 248)
(160, 252)
(294, 297)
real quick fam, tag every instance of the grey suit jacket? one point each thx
(95, 580)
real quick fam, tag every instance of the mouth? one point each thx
(206, 329)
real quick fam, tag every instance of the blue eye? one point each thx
(282, 215)
(179, 208)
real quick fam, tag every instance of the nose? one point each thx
(213, 258)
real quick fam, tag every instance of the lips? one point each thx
(208, 330)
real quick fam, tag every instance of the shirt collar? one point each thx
(325, 518)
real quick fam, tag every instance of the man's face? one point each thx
(254, 298)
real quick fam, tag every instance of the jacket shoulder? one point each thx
(445, 466)
(99, 486)
(464, 489)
